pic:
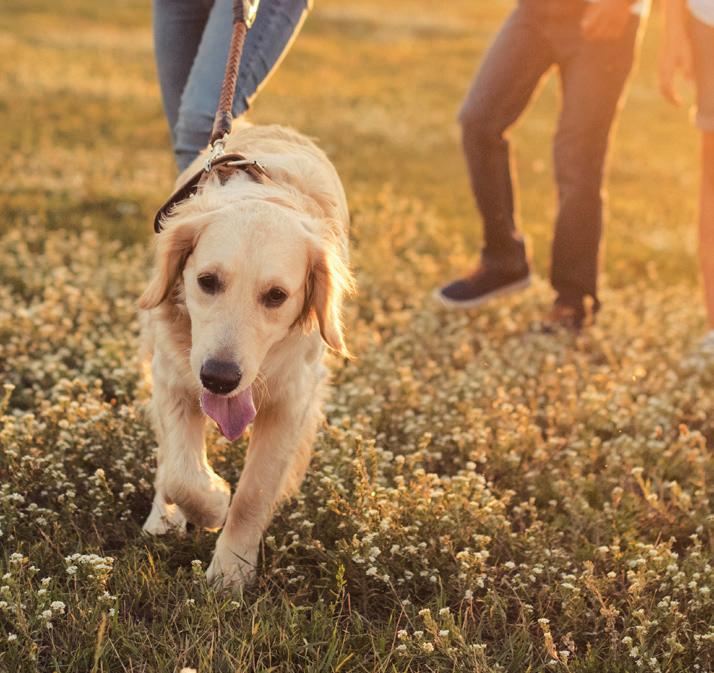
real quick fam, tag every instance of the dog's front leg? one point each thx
(279, 450)
(183, 475)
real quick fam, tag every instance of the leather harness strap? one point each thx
(232, 161)
(244, 12)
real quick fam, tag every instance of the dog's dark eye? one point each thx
(209, 283)
(274, 297)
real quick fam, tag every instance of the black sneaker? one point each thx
(487, 282)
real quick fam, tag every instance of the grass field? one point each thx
(482, 498)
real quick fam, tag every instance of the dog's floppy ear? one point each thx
(173, 247)
(329, 279)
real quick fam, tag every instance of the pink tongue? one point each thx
(233, 414)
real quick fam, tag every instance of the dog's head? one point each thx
(248, 276)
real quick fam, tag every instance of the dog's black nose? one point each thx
(220, 377)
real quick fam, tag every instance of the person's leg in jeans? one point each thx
(507, 79)
(593, 77)
(278, 21)
(178, 28)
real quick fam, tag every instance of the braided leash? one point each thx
(244, 12)
(224, 115)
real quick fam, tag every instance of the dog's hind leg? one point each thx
(164, 515)
(277, 458)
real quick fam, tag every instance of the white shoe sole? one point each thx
(475, 303)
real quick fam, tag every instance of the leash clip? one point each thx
(217, 149)
(250, 10)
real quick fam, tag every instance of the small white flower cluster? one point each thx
(91, 568)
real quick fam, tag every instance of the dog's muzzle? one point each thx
(220, 377)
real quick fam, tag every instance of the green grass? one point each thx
(468, 462)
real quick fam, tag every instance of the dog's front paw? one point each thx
(163, 518)
(203, 498)
(231, 567)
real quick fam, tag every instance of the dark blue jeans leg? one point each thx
(278, 21)
(593, 78)
(178, 28)
(507, 79)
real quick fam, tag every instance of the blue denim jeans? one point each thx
(191, 40)
(540, 35)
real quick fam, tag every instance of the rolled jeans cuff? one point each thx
(510, 258)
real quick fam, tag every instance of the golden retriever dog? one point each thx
(247, 289)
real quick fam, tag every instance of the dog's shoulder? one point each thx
(294, 161)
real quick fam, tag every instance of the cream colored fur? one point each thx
(290, 232)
